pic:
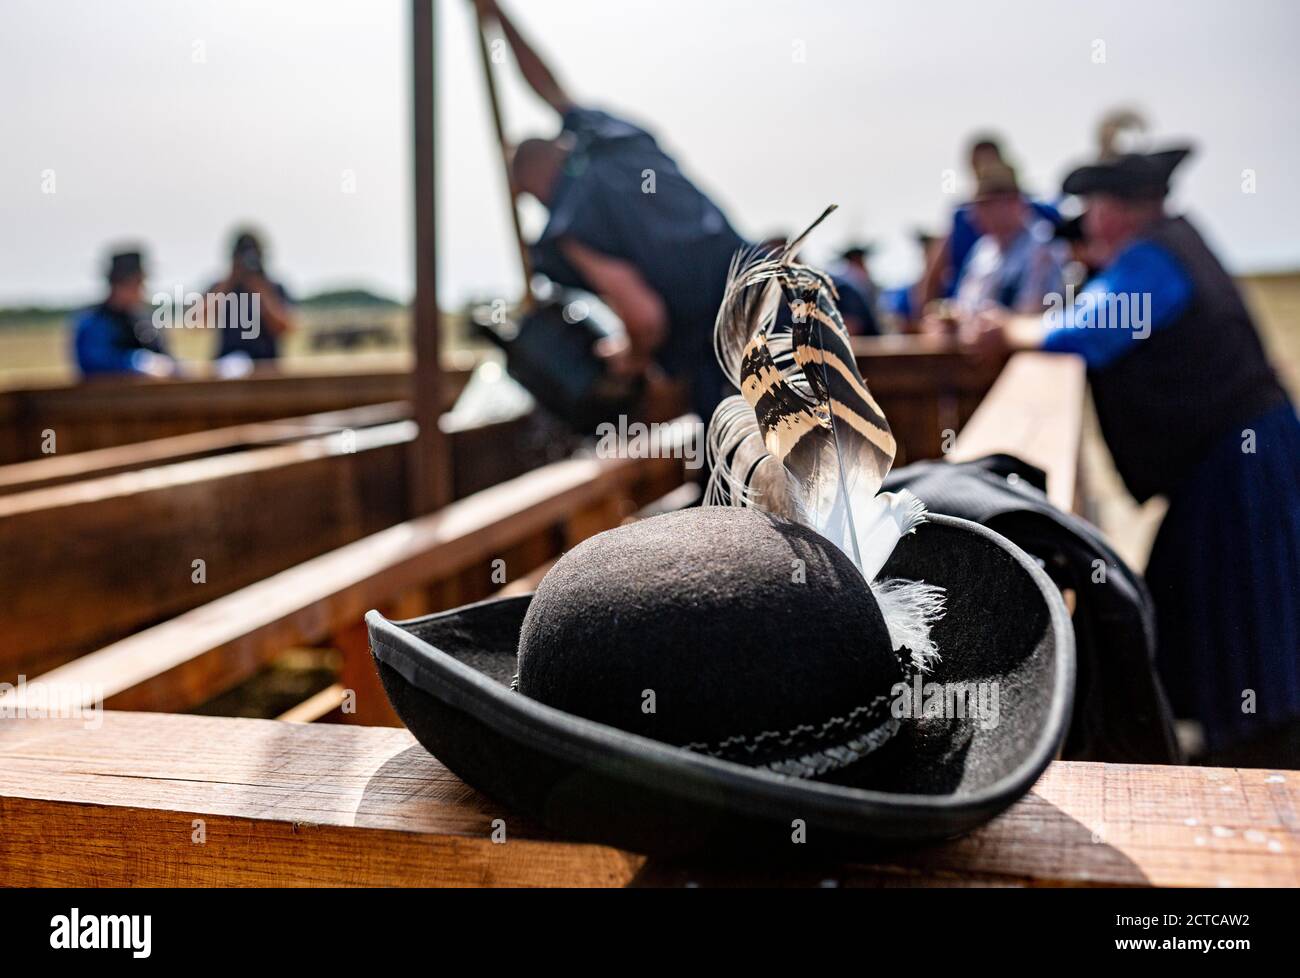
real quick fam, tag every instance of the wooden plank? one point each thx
(87, 562)
(120, 548)
(294, 804)
(182, 662)
(927, 387)
(316, 706)
(274, 804)
(59, 469)
(368, 702)
(1035, 412)
(115, 411)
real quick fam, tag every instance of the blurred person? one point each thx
(248, 330)
(1192, 410)
(117, 336)
(628, 225)
(1081, 265)
(857, 312)
(948, 259)
(1016, 261)
(859, 295)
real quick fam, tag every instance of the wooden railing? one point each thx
(927, 387)
(86, 561)
(60, 469)
(282, 804)
(1034, 411)
(432, 562)
(113, 798)
(119, 411)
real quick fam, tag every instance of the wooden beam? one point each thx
(89, 561)
(56, 470)
(927, 387)
(312, 801)
(1035, 412)
(118, 411)
(169, 800)
(316, 706)
(429, 470)
(186, 660)
(121, 549)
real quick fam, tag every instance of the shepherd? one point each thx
(1191, 410)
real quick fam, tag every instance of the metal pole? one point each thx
(430, 460)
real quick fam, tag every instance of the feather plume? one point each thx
(804, 438)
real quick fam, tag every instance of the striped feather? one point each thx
(804, 438)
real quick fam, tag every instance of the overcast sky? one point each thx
(169, 122)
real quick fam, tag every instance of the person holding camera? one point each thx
(249, 310)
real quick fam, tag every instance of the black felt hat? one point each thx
(1134, 176)
(723, 679)
(123, 265)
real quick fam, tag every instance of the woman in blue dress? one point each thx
(1191, 410)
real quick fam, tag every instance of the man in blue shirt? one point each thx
(1016, 261)
(117, 336)
(628, 225)
(945, 265)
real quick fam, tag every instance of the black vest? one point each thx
(1189, 383)
(131, 330)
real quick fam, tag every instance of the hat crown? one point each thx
(996, 178)
(1132, 175)
(725, 630)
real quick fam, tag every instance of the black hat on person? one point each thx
(1132, 176)
(675, 686)
(123, 265)
(857, 249)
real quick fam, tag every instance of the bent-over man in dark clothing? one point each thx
(628, 225)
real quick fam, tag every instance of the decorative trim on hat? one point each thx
(858, 742)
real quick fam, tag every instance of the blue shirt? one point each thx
(1145, 288)
(109, 341)
(965, 233)
(620, 194)
(1017, 277)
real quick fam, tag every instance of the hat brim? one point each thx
(447, 676)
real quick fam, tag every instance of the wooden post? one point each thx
(430, 470)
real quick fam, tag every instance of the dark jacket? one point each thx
(1164, 405)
